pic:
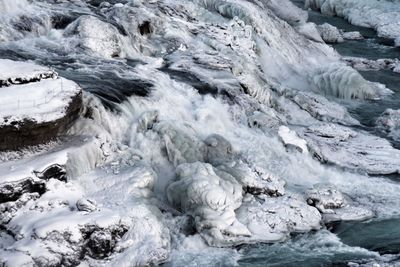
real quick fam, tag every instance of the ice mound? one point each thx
(330, 34)
(210, 199)
(383, 16)
(344, 82)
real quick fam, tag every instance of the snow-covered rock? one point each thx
(36, 105)
(330, 33)
(353, 36)
(350, 149)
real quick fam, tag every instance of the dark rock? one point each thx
(12, 191)
(54, 171)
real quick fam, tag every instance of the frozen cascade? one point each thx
(218, 136)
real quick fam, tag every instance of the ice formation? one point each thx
(344, 82)
(190, 112)
(384, 16)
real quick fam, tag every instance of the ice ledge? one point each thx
(36, 105)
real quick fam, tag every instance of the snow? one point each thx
(33, 93)
(14, 72)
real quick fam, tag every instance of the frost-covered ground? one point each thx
(206, 124)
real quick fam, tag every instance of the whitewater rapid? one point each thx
(207, 124)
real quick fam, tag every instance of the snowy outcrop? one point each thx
(329, 33)
(344, 82)
(383, 16)
(36, 105)
(345, 147)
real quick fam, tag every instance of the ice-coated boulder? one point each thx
(389, 122)
(334, 206)
(342, 81)
(330, 33)
(95, 36)
(275, 218)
